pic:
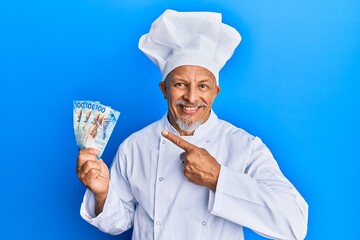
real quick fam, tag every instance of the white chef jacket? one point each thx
(148, 189)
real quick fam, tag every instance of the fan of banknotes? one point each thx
(93, 124)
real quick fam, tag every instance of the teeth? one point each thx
(189, 108)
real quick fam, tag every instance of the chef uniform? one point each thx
(148, 190)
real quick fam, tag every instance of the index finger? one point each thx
(92, 151)
(87, 154)
(178, 141)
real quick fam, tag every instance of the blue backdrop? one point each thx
(293, 81)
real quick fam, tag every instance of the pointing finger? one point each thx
(178, 141)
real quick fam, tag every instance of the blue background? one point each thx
(293, 81)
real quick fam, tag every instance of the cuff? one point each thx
(87, 210)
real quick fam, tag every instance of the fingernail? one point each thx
(165, 133)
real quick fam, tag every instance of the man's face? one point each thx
(190, 92)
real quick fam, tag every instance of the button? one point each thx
(203, 223)
(157, 223)
(208, 141)
(160, 179)
(163, 141)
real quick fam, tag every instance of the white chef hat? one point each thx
(189, 38)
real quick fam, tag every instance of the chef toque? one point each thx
(189, 38)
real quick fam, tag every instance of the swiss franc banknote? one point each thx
(93, 124)
(82, 111)
(78, 109)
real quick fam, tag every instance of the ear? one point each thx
(162, 86)
(217, 90)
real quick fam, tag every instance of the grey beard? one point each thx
(188, 127)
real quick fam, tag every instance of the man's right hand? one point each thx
(93, 173)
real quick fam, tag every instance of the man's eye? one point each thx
(179, 84)
(203, 86)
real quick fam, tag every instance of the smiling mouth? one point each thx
(190, 109)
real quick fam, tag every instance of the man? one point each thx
(191, 175)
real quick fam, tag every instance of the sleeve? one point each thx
(260, 198)
(118, 213)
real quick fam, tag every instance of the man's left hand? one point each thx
(199, 166)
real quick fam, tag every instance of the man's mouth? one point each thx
(188, 109)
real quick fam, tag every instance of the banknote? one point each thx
(77, 108)
(97, 126)
(87, 109)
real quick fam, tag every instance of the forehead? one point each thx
(190, 72)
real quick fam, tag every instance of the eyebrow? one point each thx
(206, 80)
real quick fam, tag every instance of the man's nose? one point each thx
(191, 95)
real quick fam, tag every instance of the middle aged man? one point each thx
(191, 175)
